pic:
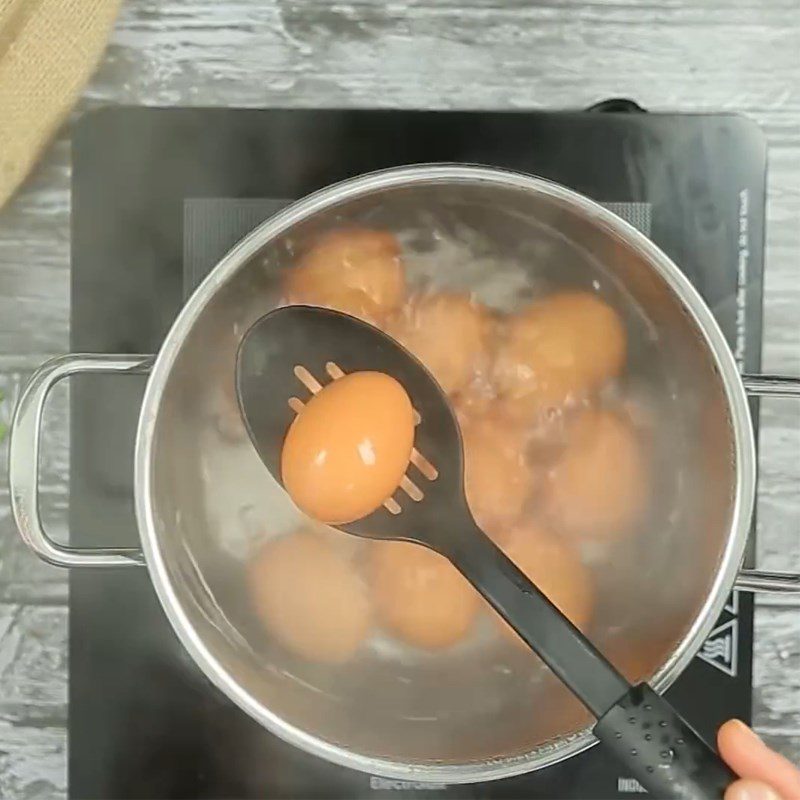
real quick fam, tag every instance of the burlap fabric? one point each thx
(48, 50)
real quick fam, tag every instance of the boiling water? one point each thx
(243, 506)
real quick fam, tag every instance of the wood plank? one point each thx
(779, 455)
(33, 762)
(33, 664)
(455, 54)
(34, 260)
(25, 578)
(778, 527)
(776, 680)
(33, 708)
(785, 743)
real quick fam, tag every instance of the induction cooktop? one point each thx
(159, 195)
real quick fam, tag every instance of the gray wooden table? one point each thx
(736, 55)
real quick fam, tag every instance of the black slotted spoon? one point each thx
(660, 749)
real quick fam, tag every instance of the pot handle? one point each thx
(756, 580)
(23, 459)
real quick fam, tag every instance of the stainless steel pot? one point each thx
(453, 718)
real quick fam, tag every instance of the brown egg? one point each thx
(419, 595)
(348, 447)
(558, 350)
(498, 477)
(448, 333)
(310, 598)
(599, 488)
(555, 567)
(355, 270)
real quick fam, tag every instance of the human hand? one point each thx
(765, 775)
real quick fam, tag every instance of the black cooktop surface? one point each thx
(158, 196)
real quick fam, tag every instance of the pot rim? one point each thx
(352, 189)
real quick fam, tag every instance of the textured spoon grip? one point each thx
(660, 749)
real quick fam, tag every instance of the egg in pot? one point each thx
(348, 448)
(310, 598)
(419, 596)
(498, 475)
(447, 332)
(556, 568)
(558, 350)
(355, 270)
(600, 486)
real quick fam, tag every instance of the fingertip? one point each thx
(736, 741)
(734, 731)
(750, 790)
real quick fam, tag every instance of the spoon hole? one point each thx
(334, 370)
(423, 465)
(411, 489)
(392, 506)
(307, 379)
(296, 404)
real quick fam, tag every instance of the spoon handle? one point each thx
(660, 749)
(568, 653)
(646, 734)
